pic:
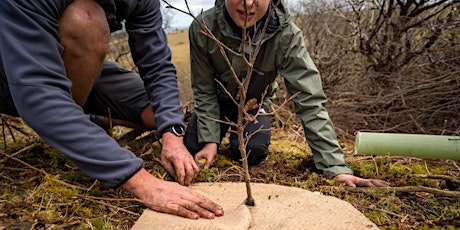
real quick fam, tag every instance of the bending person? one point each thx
(282, 52)
(51, 56)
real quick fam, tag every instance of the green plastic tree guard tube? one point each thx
(410, 145)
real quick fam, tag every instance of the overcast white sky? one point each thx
(182, 20)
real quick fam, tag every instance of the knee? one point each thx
(148, 117)
(256, 152)
(84, 29)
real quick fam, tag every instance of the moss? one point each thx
(376, 217)
(418, 168)
(290, 149)
(76, 176)
(83, 211)
(223, 161)
(400, 170)
(363, 169)
(97, 223)
(438, 170)
(423, 226)
(13, 147)
(296, 165)
(49, 215)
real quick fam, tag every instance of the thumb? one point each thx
(208, 163)
(170, 168)
(350, 184)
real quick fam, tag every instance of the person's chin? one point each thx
(248, 25)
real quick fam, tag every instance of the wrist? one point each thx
(135, 182)
(177, 130)
(211, 146)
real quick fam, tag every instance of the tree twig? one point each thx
(443, 177)
(406, 189)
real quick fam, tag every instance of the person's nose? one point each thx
(249, 3)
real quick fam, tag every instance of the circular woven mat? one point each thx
(277, 207)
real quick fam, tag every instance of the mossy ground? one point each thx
(41, 189)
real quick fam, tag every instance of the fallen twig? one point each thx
(443, 177)
(40, 170)
(98, 200)
(405, 189)
(16, 153)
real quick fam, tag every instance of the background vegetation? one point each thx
(387, 66)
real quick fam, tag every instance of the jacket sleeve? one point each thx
(302, 76)
(30, 55)
(204, 87)
(151, 54)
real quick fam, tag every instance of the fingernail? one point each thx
(219, 212)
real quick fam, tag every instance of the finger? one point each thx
(191, 170)
(204, 203)
(177, 210)
(350, 183)
(169, 167)
(209, 205)
(365, 183)
(203, 213)
(380, 183)
(180, 173)
(199, 156)
(209, 162)
(347, 180)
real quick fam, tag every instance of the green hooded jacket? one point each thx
(282, 52)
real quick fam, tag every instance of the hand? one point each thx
(208, 152)
(177, 160)
(170, 197)
(354, 181)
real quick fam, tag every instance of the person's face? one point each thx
(256, 9)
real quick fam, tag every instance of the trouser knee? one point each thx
(257, 146)
(84, 29)
(256, 152)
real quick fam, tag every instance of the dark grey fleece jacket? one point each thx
(30, 59)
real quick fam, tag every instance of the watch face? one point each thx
(178, 130)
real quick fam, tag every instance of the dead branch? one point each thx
(16, 153)
(407, 189)
(98, 200)
(276, 110)
(10, 127)
(40, 170)
(442, 177)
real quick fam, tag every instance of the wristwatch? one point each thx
(175, 129)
